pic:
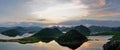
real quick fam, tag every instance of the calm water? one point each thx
(90, 45)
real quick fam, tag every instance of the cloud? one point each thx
(42, 20)
(57, 11)
(38, 19)
(102, 2)
(110, 14)
(102, 9)
(94, 3)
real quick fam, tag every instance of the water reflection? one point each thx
(51, 39)
(95, 45)
(72, 39)
(89, 45)
(92, 45)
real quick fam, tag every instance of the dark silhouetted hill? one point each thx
(72, 39)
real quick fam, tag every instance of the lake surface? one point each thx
(89, 45)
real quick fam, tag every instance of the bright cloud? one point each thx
(56, 11)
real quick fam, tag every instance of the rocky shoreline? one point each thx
(112, 45)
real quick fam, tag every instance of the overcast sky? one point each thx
(58, 11)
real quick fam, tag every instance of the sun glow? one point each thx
(61, 12)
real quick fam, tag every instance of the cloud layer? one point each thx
(58, 11)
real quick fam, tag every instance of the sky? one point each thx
(57, 12)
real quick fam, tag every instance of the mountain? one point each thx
(83, 29)
(21, 30)
(32, 29)
(63, 29)
(103, 28)
(48, 33)
(45, 35)
(11, 33)
(100, 28)
(3, 29)
(117, 29)
(72, 39)
(14, 31)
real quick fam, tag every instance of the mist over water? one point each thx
(17, 37)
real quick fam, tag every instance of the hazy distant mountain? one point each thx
(68, 23)
(32, 29)
(11, 33)
(116, 29)
(92, 22)
(18, 30)
(3, 29)
(14, 31)
(100, 28)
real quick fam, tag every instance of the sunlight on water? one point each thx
(95, 45)
(92, 45)
(52, 46)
